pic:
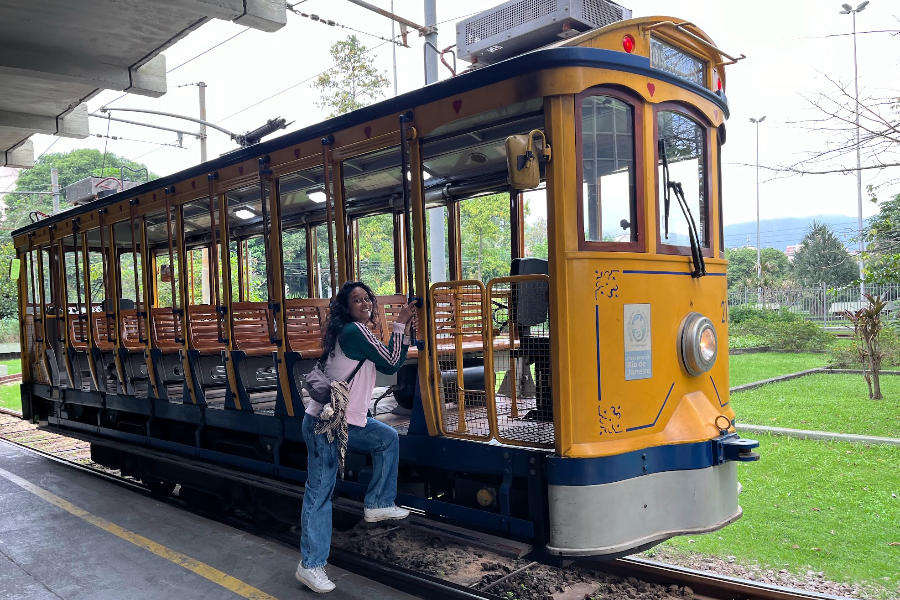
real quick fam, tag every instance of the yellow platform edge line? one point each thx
(195, 566)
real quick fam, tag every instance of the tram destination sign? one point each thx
(677, 62)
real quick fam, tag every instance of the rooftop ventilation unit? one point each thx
(522, 25)
(92, 188)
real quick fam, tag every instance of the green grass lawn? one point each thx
(10, 396)
(832, 507)
(9, 393)
(838, 403)
(13, 366)
(747, 368)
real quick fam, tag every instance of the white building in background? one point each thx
(789, 251)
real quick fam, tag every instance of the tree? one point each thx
(822, 258)
(867, 331)
(72, 166)
(353, 82)
(742, 267)
(882, 238)
(485, 231)
(835, 112)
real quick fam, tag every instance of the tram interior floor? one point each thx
(68, 535)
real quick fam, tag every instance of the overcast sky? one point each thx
(786, 43)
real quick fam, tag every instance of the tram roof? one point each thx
(538, 60)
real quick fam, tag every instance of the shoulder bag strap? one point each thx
(355, 371)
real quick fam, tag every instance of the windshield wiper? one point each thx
(675, 186)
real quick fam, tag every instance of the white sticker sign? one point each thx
(638, 362)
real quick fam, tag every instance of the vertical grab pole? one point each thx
(134, 265)
(407, 211)
(264, 173)
(176, 321)
(214, 253)
(104, 263)
(327, 141)
(75, 229)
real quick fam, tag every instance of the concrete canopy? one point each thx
(57, 54)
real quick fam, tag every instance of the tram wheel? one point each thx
(269, 524)
(202, 501)
(159, 487)
(344, 521)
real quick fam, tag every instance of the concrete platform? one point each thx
(65, 535)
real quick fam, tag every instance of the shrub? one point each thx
(747, 312)
(9, 331)
(846, 355)
(784, 333)
(746, 341)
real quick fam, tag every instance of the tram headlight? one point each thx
(698, 344)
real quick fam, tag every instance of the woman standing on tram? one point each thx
(351, 353)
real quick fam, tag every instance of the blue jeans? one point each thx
(376, 438)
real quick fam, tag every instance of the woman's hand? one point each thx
(407, 314)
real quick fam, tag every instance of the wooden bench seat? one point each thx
(78, 333)
(101, 332)
(203, 325)
(249, 322)
(162, 330)
(304, 320)
(131, 335)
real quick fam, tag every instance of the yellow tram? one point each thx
(578, 402)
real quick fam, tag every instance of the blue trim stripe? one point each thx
(597, 325)
(635, 272)
(717, 394)
(644, 461)
(657, 414)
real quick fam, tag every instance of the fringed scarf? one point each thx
(333, 418)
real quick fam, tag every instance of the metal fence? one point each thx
(822, 304)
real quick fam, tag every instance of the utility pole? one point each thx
(758, 250)
(202, 87)
(394, 48)
(438, 215)
(54, 187)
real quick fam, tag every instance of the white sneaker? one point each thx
(391, 513)
(315, 579)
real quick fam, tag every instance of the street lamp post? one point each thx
(758, 252)
(849, 10)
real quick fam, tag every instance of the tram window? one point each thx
(323, 269)
(431, 217)
(98, 292)
(685, 141)
(536, 244)
(485, 243)
(126, 275)
(256, 273)
(45, 258)
(375, 253)
(296, 282)
(719, 175)
(608, 195)
(74, 285)
(198, 271)
(164, 277)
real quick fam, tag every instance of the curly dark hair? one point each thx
(339, 315)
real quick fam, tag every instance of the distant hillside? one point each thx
(781, 233)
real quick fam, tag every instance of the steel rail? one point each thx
(703, 583)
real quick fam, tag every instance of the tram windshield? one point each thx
(686, 153)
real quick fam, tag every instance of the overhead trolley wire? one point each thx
(325, 71)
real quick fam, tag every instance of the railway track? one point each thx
(75, 452)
